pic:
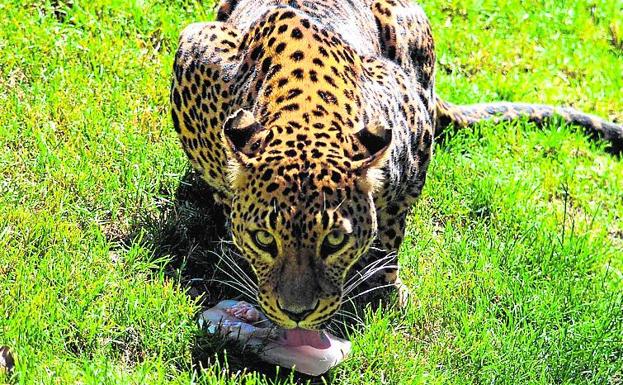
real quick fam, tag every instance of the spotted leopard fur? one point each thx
(313, 122)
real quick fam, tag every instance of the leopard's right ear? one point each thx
(244, 135)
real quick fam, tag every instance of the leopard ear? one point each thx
(375, 143)
(245, 136)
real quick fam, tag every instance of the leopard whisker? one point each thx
(236, 276)
(242, 284)
(230, 253)
(365, 277)
(353, 313)
(367, 291)
(243, 278)
(328, 326)
(225, 241)
(371, 265)
(350, 316)
(339, 204)
(229, 261)
(261, 321)
(236, 286)
(369, 271)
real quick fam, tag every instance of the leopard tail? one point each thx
(461, 116)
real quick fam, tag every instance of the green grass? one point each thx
(514, 252)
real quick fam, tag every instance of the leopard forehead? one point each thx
(289, 185)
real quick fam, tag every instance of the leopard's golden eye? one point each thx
(264, 240)
(335, 238)
(333, 242)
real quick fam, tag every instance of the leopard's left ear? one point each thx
(374, 143)
(245, 136)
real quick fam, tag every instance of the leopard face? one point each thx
(300, 222)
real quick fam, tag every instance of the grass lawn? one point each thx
(514, 253)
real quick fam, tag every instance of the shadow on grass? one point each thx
(189, 232)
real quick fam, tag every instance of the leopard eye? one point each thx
(335, 238)
(334, 241)
(264, 240)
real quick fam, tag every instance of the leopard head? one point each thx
(301, 214)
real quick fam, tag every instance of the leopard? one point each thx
(313, 123)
